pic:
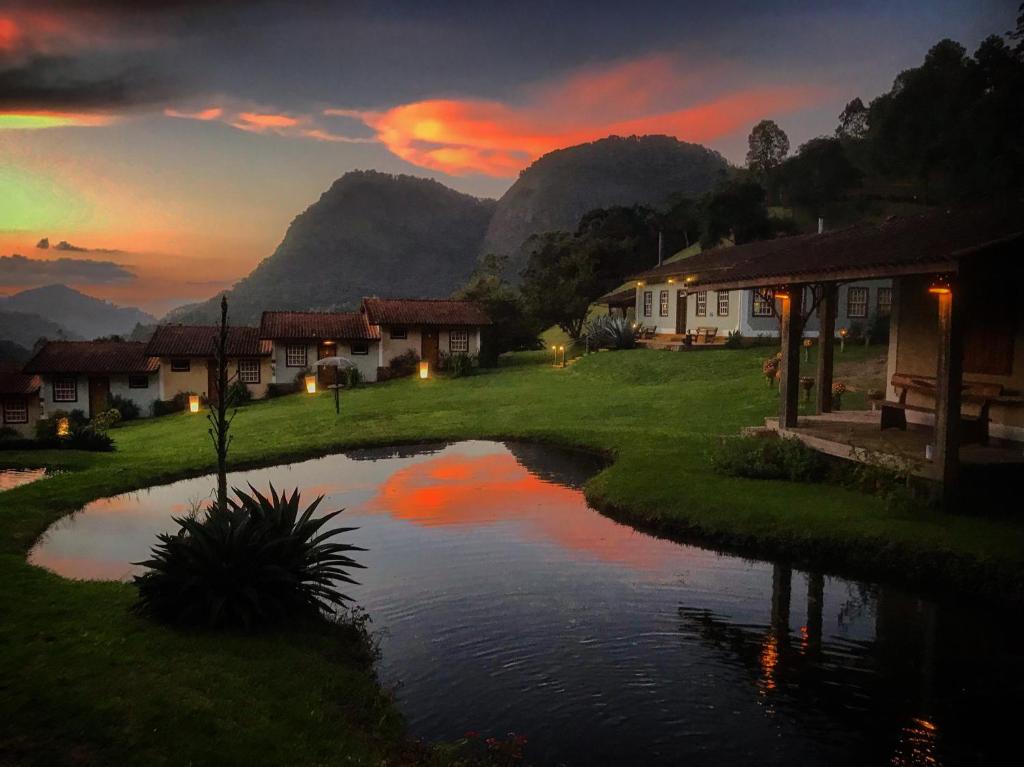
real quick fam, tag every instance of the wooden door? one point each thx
(99, 393)
(680, 312)
(324, 376)
(211, 380)
(428, 347)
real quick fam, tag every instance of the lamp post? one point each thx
(842, 339)
(561, 350)
(554, 351)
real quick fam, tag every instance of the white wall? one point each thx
(197, 378)
(668, 324)
(118, 385)
(31, 402)
(144, 398)
(81, 402)
(366, 363)
(393, 347)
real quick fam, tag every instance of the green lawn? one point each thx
(83, 681)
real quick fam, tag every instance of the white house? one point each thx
(427, 327)
(186, 355)
(299, 339)
(19, 401)
(666, 303)
(82, 375)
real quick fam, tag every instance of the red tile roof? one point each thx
(624, 297)
(325, 326)
(918, 244)
(12, 382)
(423, 311)
(201, 341)
(92, 357)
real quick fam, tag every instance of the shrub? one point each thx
(878, 329)
(238, 393)
(299, 379)
(101, 422)
(89, 439)
(734, 340)
(404, 364)
(457, 365)
(82, 434)
(768, 457)
(256, 562)
(353, 378)
(46, 428)
(6, 432)
(128, 409)
(608, 332)
(280, 389)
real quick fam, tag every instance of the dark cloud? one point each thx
(23, 271)
(61, 83)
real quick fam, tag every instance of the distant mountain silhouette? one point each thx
(556, 190)
(24, 329)
(12, 355)
(79, 314)
(369, 234)
(376, 234)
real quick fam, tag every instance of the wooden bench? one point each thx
(645, 333)
(976, 395)
(706, 335)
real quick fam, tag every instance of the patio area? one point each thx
(857, 435)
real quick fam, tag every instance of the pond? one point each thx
(12, 478)
(508, 605)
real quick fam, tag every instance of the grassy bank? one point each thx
(83, 681)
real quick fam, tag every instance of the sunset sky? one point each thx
(170, 144)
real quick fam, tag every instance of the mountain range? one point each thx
(373, 233)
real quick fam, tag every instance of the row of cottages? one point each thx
(954, 404)
(82, 375)
(382, 329)
(668, 306)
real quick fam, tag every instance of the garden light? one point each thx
(193, 403)
(63, 427)
(940, 286)
(424, 369)
(311, 384)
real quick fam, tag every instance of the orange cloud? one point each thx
(264, 120)
(212, 113)
(650, 95)
(10, 34)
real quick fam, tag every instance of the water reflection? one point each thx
(508, 605)
(11, 478)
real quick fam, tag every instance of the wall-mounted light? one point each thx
(424, 369)
(671, 280)
(311, 384)
(940, 286)
(781, 292)
(639, 283)
(193, 403)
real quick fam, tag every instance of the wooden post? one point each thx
(826, 346)
(949, 380)
(815, 605)
(791, 330)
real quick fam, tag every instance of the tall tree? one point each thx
(736, 211)
(768, 146)
(560, 281)
(819, 173)
(853, 121)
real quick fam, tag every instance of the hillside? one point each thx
(556, 190)
(25, 329)
(370, 234)
(82, 315)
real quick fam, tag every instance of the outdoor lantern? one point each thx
(311, 384)
(561, 350)
(671, 280)
(193, 403)
(940, 285)
(640, 283)
(63, 427)
(424, 369)
(782, 292)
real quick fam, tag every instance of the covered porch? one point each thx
(955, 312)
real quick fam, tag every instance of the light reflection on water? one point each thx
(12, 478)
(509, 605)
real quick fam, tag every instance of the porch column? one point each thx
(949, 379)
(815, 607)
(791, 330)
(826, 346)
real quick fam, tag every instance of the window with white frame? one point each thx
(723, 303)
(399, 334)
(663, 303)
(360, 349)
(458, 341)
(15, 410)
(180, 365)
(648, 303)
(138, 382)
(857, 302)
(249, 371)
(65, 389)
(702, 303)
(763, 304)
(885, 301)
(296, 356)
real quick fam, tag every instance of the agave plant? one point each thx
(257, 561)
(608, 332)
